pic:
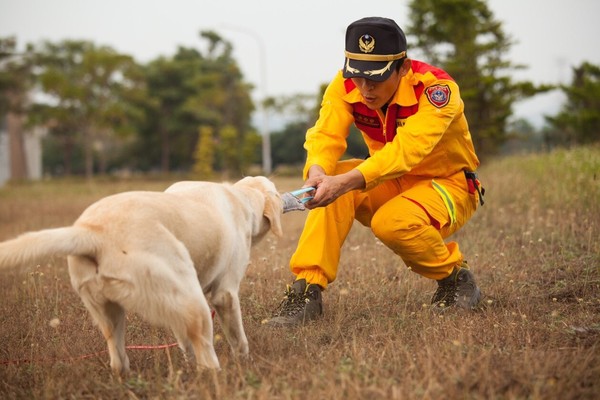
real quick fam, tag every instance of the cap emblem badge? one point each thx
(366, 43)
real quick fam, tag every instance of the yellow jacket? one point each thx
(424, 132)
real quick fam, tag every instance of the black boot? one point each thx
(302, 303)
(458, 289)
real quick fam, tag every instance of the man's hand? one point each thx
(329, 188)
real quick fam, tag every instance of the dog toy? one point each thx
(292, 201)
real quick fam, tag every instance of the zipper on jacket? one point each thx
(383, 119)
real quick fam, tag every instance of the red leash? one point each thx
(133, 347)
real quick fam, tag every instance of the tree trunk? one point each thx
(68, 155)
(88, 153)
(18, 160)
(165, 150)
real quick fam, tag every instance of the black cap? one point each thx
(374, 46)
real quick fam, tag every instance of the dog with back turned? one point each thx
(159, 254)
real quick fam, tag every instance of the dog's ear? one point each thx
(273, 212)
(273, 208)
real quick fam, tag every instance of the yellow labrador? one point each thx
(158, 254)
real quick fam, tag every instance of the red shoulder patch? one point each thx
(438, 95)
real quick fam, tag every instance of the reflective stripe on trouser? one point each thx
(407, 214)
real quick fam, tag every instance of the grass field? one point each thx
(534, 247)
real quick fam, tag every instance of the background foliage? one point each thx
(106, 113)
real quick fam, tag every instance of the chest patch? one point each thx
(361, 119)
(438, 95)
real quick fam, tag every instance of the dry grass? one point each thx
(534, 248)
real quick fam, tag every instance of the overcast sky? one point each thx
(302, 41)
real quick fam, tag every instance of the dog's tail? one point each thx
(36, 246)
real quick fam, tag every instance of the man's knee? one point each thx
(398, 226)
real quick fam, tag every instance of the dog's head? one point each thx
(273, 205)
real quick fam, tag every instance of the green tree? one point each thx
(16, 80)
(92, 91)
(287, 144)
(251, 150)
(299, 113)
(229, 149)
(302, 111)
(578, 122)
(462, 37)
(12, 73)
(204, 154)
(194, 88)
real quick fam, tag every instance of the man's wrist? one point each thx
(353, 180)
(315, 170)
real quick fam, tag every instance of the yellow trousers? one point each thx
(410, 215)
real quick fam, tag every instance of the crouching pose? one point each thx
(417, 187)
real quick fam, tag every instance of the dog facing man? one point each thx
(159, 254)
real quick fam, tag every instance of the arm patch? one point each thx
(438, 95)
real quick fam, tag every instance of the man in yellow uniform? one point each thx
(416, 188)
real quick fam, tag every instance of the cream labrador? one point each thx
(158, 254)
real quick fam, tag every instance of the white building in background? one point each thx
(33, 152)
